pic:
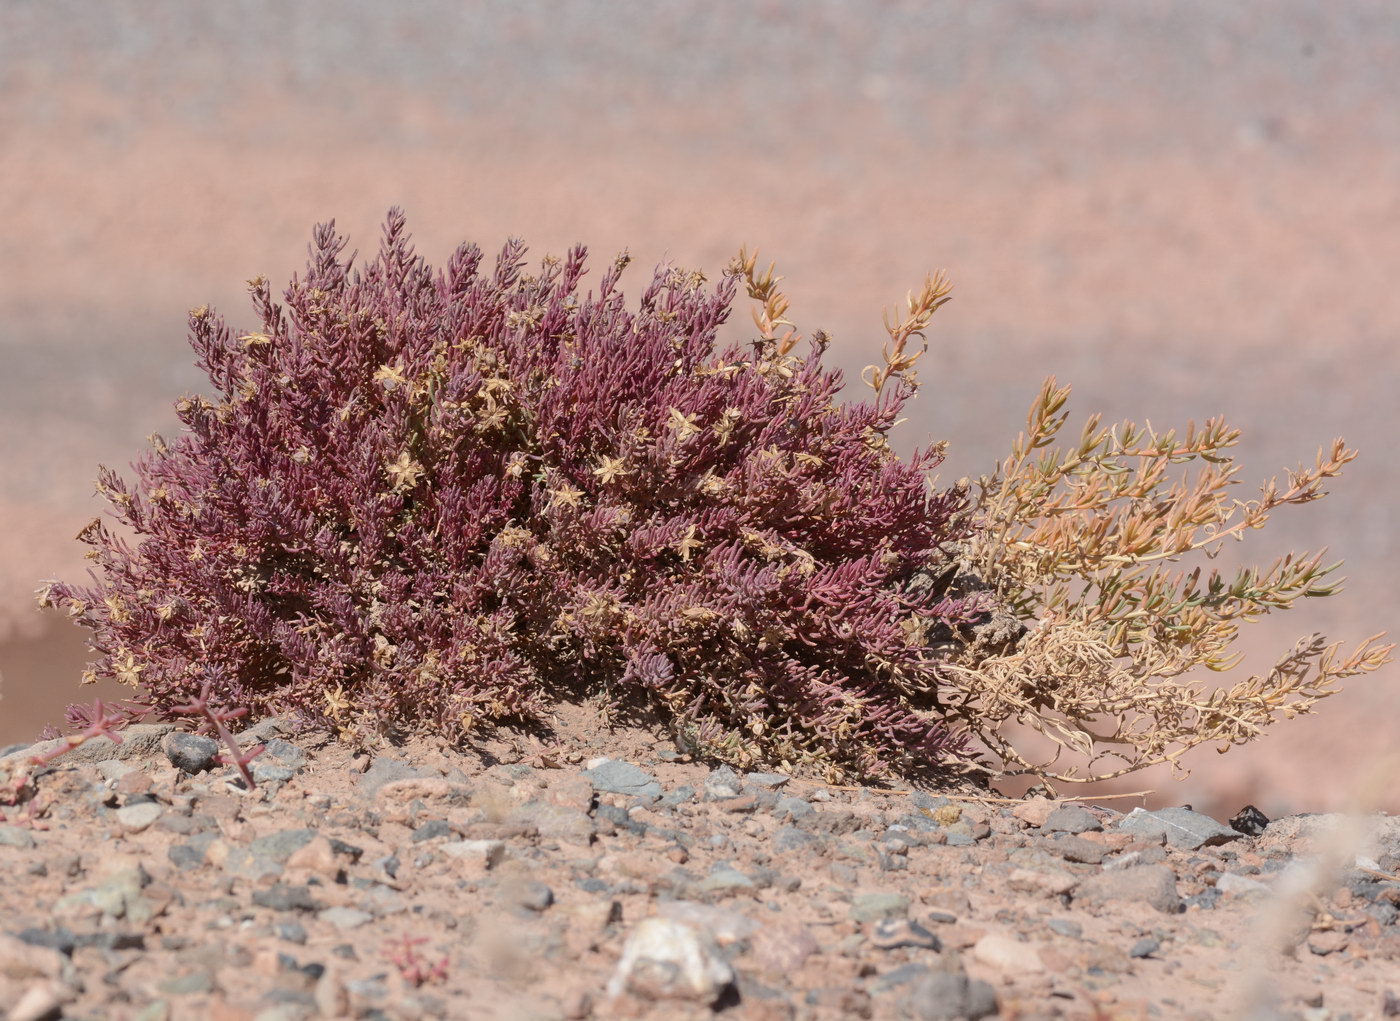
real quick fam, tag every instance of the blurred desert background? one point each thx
(1181, 208)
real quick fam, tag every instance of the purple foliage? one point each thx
(432, 501)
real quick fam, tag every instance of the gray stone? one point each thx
(788, 839)
(192, 753)
(1071, 819)
(722, 784)
(532, 895)
(679, 796)
(13, 836)
(1076, 849)
(433, 829)
(139, 740)
(292, 932)
(871, 907)
(792, 808)
(948, 996)
(137, 817)
(185, 856)
(384, 770)
(280, 846)
(1066, 927)
(1181, 827)
(767, 780)
(282, 897)
(345, 919)
(185, 985)
(1152, 884)
(1240, 886)
(723, 879)
(285, 752)
(270, 772)
(1145, 947)
(617, 777)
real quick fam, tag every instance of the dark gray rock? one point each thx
(1152, 884)
(532, 895)
(192, 753)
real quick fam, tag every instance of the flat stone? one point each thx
(345, 919)
(1181, 827)
(617, 777)
(1071, 819)
(13, 836)
(281, 845)
(282, 897)
(769, 781)
(789, 839)
(135, 818)
(384, 770)
(477, 856)
(1151, 884)
(871, 907)
(1240, 886)
(723, 878)
(1008, 954)
(792, 808)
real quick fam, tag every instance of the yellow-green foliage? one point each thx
(1081, 541)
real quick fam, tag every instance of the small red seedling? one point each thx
(413, 969)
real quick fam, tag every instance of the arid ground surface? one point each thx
(1182, 209)
(598, 874)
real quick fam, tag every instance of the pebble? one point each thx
(13, 836)
(948, 996)
(666, 959)
(723, 783)
(771, 781)
(1151, 884)
(1071, 819)
(616, 777)
(192, 753)
(1008, 954)
(871, 907)
(138, 817)
(345, 919)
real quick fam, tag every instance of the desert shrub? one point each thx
(434, 501)
(438, 501)
(1079, 545)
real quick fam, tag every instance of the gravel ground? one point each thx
(604, 874)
